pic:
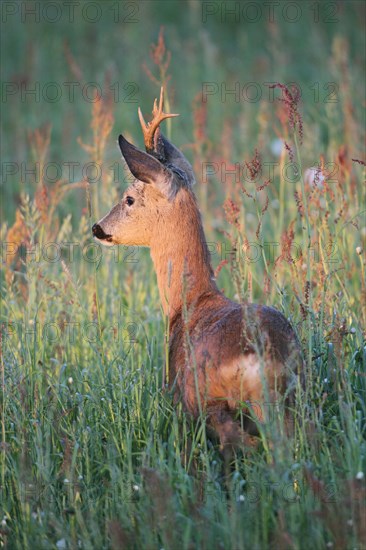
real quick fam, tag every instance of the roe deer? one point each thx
(222, 355)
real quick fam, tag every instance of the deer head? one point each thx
(161, 173)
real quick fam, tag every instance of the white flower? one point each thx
(66, 480)
(61, 544)
(276, 147)
(314, 176)
(360, 475)
(359, 250)
(135, 487)
(241, 498)
(70, 380)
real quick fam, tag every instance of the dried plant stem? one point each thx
(168, 110)
(363, 289)
(260, 238)
(3, 433)
(89, 208)
(307, 246)
(282, 193)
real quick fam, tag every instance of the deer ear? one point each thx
(143, 166)
(175, 156)
(148, 169)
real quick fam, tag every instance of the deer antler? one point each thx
(149, 129)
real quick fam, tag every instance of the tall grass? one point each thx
(94, 454)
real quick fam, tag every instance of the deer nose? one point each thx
(98, 232)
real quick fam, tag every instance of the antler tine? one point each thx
(161, 101)
(149, 129)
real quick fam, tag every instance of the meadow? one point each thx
(94, 454)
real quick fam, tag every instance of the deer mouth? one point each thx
(99, 234)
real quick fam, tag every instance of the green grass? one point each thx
(94, 454)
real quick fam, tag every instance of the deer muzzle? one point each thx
(99, 233)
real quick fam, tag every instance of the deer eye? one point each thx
(130, 201)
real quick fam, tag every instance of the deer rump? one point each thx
(237, 358)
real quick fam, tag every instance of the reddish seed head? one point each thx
(291, 100)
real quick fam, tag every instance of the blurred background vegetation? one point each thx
(93, 452)
(209, 42)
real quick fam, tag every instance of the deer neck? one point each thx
(181, 257)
